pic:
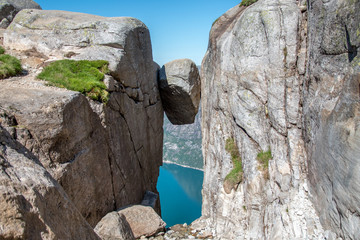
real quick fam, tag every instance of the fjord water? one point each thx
(180, 194)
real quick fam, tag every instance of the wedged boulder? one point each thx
(179, 84)
(9, 8)
(32, 204)
(114, 227)
(143, 220)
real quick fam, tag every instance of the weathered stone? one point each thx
(251, 93)
(9, 8)
(32, 204)
(332, 114)
(143, 220)
(180, 90)
(105, 156)
(114, 227)
(61, 129)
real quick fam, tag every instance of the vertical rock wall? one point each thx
(252, 78)
(332, 114)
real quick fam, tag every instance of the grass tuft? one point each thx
(263, 158)
(235, 175)
(83, 76)
(9, 66)
(2, 50)
(247, 3)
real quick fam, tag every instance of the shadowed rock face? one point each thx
(332, 116)
(104, 156)
(180, 91)
(32, 204)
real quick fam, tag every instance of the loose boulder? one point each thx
(179, 85)
(143, 220)
(9, 8)
(114, 227)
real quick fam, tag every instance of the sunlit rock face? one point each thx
(252, 78)
(284, 77)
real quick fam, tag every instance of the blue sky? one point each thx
(178, 29)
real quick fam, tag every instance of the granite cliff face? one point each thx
(269, 87)
(331, 114)
(105, 156)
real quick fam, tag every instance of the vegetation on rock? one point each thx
(2, 50)
(9, 65)
(235, 175)
(247, 3)
(263, 158)
(215, 21)
(83, 76)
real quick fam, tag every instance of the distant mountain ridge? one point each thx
(182, 143)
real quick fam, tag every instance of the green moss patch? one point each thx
(235, 175)
(247, 3)
(263, 158)
(2, 50)
(9, 66)
(83, 76)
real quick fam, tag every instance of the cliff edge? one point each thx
(103, 155)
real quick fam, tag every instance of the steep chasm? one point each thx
(252, 81)
(280, 80)
(105, 156)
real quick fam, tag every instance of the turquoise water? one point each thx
(180, 194)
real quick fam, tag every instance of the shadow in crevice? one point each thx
(352, 50)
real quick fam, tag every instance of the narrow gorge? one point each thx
(280, 116)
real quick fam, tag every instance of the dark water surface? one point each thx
(180, 194)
